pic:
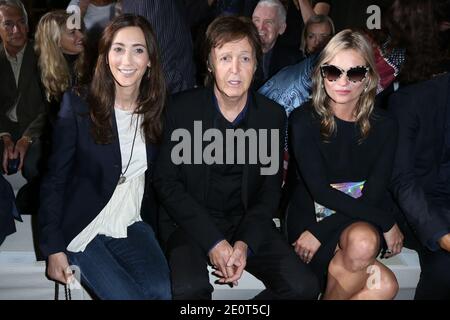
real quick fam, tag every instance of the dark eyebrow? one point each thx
(134, 45)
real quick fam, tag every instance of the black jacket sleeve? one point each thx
(262, 210)
(407, 190)
(54, 183)
(190, 215)
(312, 167)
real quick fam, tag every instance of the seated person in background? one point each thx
(269, 18)
(319, 29)
(96, 15)
(61, 56)
(421, 178)
(22, 104)
(98, 210)
(343, 151)
(221, 214)
(291, 87)
(8, 210)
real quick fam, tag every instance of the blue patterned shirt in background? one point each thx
(291, 87)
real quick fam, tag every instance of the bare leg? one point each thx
(382, 285)
(349, 275)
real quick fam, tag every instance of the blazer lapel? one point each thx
(8, 74)
(115, 145)
(27, 68)
(249, 170)
(207, 123)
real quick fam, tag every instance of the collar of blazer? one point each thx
(28, 69)
(152, 149)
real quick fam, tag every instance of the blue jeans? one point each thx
(132, 268)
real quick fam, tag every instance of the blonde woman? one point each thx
(343, 149)
(317, 32)
(61, 55)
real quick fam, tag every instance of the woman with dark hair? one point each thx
(97, 191)
(343, 150)
(413, 25)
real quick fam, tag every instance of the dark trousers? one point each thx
(434, 283)
(275, 264)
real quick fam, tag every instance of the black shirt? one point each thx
(224, 192)
(342, 159)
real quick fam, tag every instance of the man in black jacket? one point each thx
(220, 212)
(421, 178)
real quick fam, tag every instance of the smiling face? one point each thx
(342, 92)
(128, 58)
(233, 65)
(269, 26)
(71, 41)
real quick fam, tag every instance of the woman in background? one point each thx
(61, 55)
(319, 29)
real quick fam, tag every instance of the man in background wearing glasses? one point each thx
(22, 106)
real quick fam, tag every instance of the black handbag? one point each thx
(67, 292)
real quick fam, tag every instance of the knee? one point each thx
(361, 246)
(388, 285)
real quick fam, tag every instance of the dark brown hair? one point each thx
(152, 92)
(413, 25)
(226, 29)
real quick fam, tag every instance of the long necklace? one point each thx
(122, 178)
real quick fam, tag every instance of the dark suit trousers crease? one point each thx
(284, 275)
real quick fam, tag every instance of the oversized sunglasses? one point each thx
(354, 74)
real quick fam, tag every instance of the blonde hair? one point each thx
(55, 71)
(345, 40)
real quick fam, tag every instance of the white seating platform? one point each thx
(23, 278)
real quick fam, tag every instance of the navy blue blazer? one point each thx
(421, 173)
(7, 209)
(82, 176)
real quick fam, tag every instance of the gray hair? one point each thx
(15, 4)
(281, 10)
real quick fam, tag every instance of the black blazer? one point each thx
(81, 178)
(182, 189)
(422, 111)
(31, 107)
